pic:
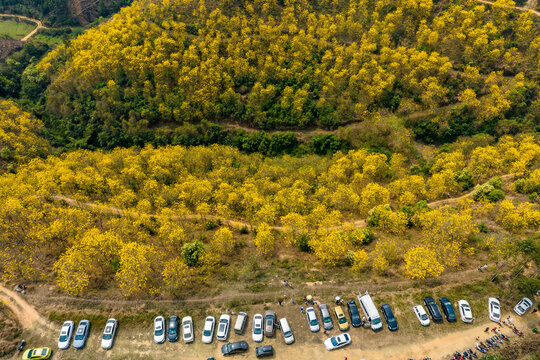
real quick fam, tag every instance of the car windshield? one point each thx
(376, 321)
(79, 337)
(313, 322)
(342, 320)
(44, 352)
(327, 320)
(107, 337)
(334, 341)
(287, 333)
(257, 330)
(159, 332)
(206, 332)
(423, 317)
(63, 338)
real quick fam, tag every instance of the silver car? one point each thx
(107, 340)
(269, 323)
(65, 335)
(326, 318)
(187, 329)
(523, 306)
(81, 335)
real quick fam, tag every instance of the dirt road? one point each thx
(39, 25)
(513, 7)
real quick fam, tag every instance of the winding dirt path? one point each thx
(512, 7)
(39, 25)
(356, 223)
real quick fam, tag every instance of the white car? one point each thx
(208, 330)
(312, 319)
(465, 311)
(159, 330)
(494, 308)
(523, 306)
(107, 340)
(338, 341)
(258, 328)
(421, 315)
(187, 329)
(223, 327)
(65, 335)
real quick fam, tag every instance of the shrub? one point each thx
(496, 182)
(210, 225)
(191, 252)
(465, 179)
(527, 286)
(244, 230)
(482, 228)
(303, 243)
(495, 195)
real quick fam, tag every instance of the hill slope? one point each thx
(301, 63)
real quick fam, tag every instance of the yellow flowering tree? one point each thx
(265, 240)
(421, 263)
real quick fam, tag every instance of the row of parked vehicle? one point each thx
(82, 332)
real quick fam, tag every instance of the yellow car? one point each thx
(341, 319)
(37, 354)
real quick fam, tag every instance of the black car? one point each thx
(234, 348)
(172, 334)
(433, 309)
(389, 317)
(447, 309)
(263, 351)
(353, 314)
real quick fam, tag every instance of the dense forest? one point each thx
(467, 67)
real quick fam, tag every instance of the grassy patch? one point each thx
(15, 30)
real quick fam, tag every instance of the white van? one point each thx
(370, 310)
(286, 331)
(240, 324)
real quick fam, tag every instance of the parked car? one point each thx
(81, 334)
(523, 306)
(234, 348)
(159, 330)
(286, 331)
(65, 335)
(494, 308)
(465, 311)
(326, 318)
(107, 340)
(433, 309)
(187, 329)
(312, 319)
(341, 319)
(223, 327)
(264, 351)
(174, 331)
(269, 323)
(208, 330)
(241, 321)
(448, 309)
(338, 341)
(37, 354)
(370, 311)
(258, 328)
(354, 314)
(389, 317)
(421, 315)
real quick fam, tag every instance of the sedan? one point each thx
(341, 319)
(523, 306)
(494, 308)
(65, 335)
(389, 317)
(338, 341)
(208, 330)
(187, 329)
(326, 318)
(258, 328)
(234, 348)
(421, 315)
(448, 309)
(433, 309)
(81, 335)
(37, 354)
(107, 340)
(174, 331)
(159, 330)
(223, 327)
(353, 314)
(269, 323)
(312, 319)
(264, 351)
(465, 311)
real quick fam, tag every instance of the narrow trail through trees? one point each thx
(113, 210)
(512, 7)
(39, 25)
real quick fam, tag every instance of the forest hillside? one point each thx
(444, 68)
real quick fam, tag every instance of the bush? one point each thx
(482, 228)
(191, 252)
(244, 230)
(527, 286)
(496, 182)
(495, 195)
(303, 243)
(369, 236)
(465, 179)
(349, 258)
(210, 225)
